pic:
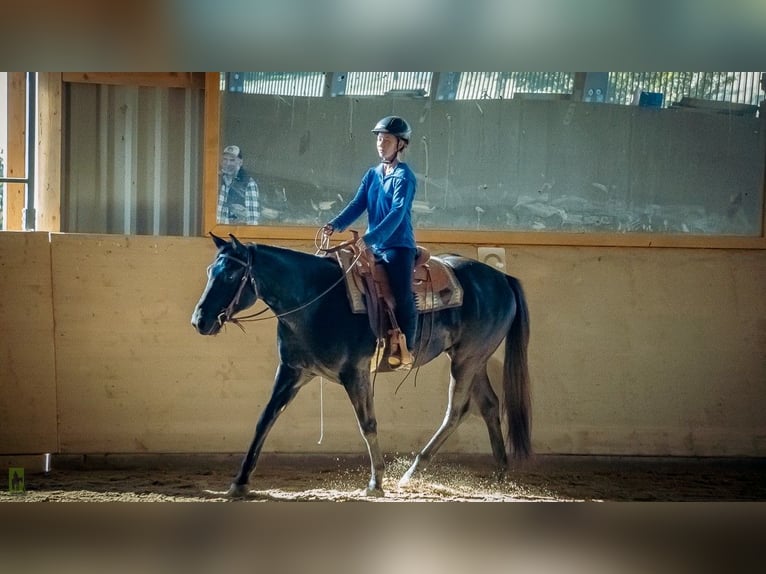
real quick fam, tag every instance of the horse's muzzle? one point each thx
(205, 325)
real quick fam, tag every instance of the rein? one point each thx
(248, 277)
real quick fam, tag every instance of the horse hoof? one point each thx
(238, 491)
(374, 492)
(404, 482)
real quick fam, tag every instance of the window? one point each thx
(274, 83)
(506, 85)
(2, 186)
(543, 156)
(18, 96)
(414, 84)
(733, 87)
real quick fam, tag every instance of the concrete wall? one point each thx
(633, 351)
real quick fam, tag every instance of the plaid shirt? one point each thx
(238, 201)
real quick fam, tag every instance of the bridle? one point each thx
(247, 277)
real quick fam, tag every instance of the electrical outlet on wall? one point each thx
(493, 256)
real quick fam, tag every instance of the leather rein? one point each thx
(248, 278)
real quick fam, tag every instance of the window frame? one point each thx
(212, 127)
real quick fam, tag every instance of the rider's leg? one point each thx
(399, 263)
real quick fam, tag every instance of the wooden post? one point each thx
(13, 218)
(212, 149)
(48, 196)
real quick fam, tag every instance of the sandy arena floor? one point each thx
(171, 478)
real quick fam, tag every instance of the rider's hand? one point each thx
(328, 230)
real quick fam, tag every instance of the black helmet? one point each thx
(394, 125)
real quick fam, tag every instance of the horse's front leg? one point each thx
(287, 382)
(359, 389)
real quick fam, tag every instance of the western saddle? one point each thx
(434, 287)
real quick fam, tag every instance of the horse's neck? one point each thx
(287, 278)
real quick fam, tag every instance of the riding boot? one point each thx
(400, 357)
(394, 357)
(406, 356)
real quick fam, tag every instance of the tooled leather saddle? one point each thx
(434, 287)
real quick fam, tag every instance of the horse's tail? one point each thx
(516, 378)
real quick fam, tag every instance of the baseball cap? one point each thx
(233, 150)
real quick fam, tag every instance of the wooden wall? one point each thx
(633, 351)
(27, 354)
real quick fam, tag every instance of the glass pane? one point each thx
(505, 85)
(275, 83)
(676, 87)
(488, 160)
(416, 84)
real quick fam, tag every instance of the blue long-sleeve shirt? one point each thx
(388, 202)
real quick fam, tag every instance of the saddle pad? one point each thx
(442, 293)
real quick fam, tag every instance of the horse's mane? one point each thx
(301, 258)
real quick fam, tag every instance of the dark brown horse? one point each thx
(318, 335)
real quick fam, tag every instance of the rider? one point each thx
(386, 193)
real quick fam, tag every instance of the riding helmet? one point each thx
(394, 125)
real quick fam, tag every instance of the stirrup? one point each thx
(377, 358)
(400, 357)
(401, 365)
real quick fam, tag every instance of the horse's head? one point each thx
(230, 287)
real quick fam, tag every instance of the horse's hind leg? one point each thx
(286, 385)
(461, 379)
(486, 400)
(359, 391)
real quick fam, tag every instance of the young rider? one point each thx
(386, 194)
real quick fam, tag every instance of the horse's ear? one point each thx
(219, 242)
(237, 243)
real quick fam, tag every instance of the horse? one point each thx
(319, 335)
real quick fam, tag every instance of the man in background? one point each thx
(238, 202)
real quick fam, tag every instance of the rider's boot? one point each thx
(400, 357)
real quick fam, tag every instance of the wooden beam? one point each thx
(212, 139)
(546, 238)
(48, 191)
(149, 79)
(13, 218)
